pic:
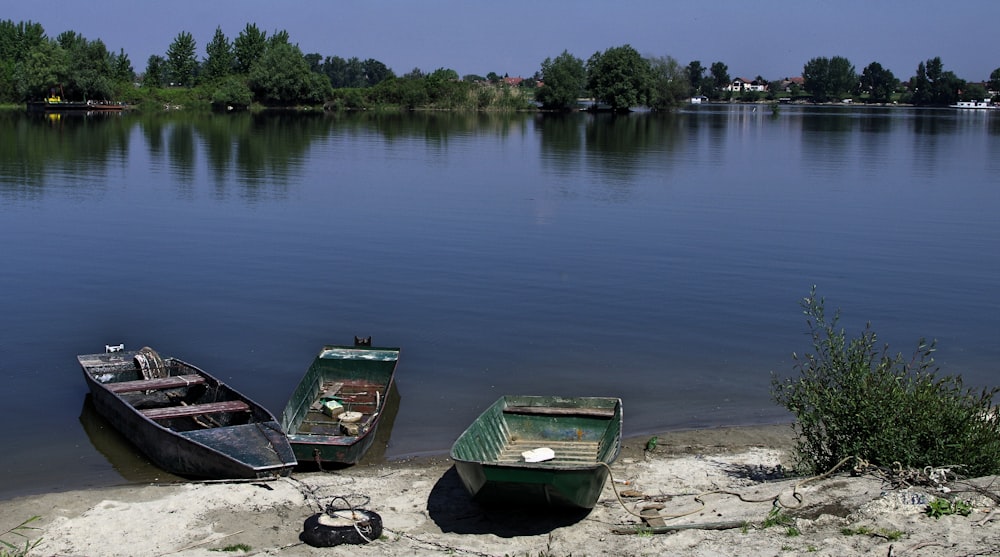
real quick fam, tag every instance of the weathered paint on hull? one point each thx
(255, 450)
(364, 381)
(583, 432)
(506, 486)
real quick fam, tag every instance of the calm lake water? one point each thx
(660, 259)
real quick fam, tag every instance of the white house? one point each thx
(740, 85)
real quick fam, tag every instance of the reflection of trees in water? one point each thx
(77, 147)
(616, 146)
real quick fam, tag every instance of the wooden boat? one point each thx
(530, 450)
(186, 421)
(332, 415)
(57, 104)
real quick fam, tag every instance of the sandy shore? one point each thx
(726, 475)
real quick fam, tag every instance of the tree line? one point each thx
(270, 70)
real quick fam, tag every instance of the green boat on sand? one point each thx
(332, 415)
(530, 450)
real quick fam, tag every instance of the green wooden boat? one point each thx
(530, 450)
(332, 415)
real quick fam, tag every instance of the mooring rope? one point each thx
(775, 499)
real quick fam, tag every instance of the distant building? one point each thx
(789, 82)
(740, 85)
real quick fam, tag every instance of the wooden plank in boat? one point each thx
(560, 411)
(567, 452)
(172, 382)
(195, 409)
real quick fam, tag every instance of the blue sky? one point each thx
(770, 38)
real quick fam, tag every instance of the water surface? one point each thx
(655, 258)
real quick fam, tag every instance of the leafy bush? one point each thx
(852, 398)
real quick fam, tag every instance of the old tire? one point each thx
(322, 530)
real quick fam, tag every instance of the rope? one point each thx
(776, 499)
(330, 510)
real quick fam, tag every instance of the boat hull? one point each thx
(584, 434)
(359, 377)
(69, 106)
(225, 446)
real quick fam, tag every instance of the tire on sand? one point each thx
(342, 527)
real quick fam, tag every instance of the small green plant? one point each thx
(891, 535)
(853, 398)
(776, 517)
(8, 549)
(940, 507)
(644, 532)
(235, 547)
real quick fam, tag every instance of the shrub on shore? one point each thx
(852, 398)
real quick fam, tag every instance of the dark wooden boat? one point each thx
(186, 421)
(496, 457)
(332, 415)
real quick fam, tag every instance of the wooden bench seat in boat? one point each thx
(559, 411)
(195, 409)
(172, 382)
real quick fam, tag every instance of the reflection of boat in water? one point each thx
(123, 456)
(984, 104)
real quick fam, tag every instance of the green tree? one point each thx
(564, 79)
(232, 91)
(220, 60)
(181, 60)
(44, 68)
(695, 74)
(375, 72)
(121, 67)
(669, 83)
(278, 37)
(155, 68)
(415, 73)
(995, 80)
(829, 78)
(920, 90)
(344, 73)
(249, 47)
(933, 85)
(973, 92)
(445, 90)
(619, 77)
(878, 83)
(315, 61)
(720, 80)
(282, 77)
(89, 73)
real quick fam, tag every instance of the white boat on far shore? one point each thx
(977, 105)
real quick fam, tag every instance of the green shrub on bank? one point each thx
(854, 398)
